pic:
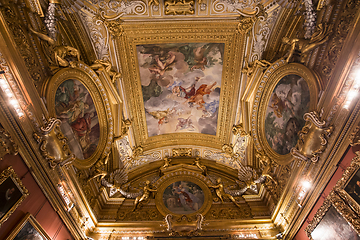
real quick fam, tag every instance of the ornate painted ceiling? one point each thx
(181, 118)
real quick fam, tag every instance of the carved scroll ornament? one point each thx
(355, 137)
(312, 138)
(7, 146)
(184, 227)
(246, 21)
(179, 7)
(53, 144)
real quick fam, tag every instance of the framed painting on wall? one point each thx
(29, 228)
(334, 221)
(12, 193)
(348, 188)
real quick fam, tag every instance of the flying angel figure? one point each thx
(161, 116)
(185, 124)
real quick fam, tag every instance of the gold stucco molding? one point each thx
(183, 32)
(99, 94)
(7, 145)
(53, 144)
(313, 138)
(268, 81)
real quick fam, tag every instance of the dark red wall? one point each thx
(35, 203)
(345, 162)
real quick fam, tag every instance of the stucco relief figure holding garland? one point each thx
(64, 56)
(145, 196)
(220, 192)
(303, 47)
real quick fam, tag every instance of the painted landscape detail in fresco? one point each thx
(181, 86)
(284, 115)
(75, 108)
(183, 197)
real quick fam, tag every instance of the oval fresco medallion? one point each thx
(183, 197)
(76, 110)
(284, 114)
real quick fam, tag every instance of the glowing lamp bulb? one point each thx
(352, 94)
(306, 184)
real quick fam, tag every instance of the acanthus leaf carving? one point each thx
(97, 32)
(246, 21)
(7, 145)
(113, 9)
(248, 7)
(114, 27)
(262, 31)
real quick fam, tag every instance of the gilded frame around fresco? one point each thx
(271, 77)
(341, 207)
(341, 185)
(181, 32)
(194, 178)
(97, 91)
(28, 219)
(10, 173)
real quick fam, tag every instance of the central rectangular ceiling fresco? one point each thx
(181, 86)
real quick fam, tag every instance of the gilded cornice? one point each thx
(15, 20)
(183, 32)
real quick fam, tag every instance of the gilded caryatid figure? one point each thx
(200, 166)
(61, 53)
(167, 162)
(249, 68)
(303, 47)
(100, 64)
(266, 166)
(145, 196)
(220, 192)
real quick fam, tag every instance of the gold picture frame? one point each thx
(100, 100)
(160, 33)
(281, 72)
(196, 180)
(28, 227)
(334, 220)
(12, 191)
(348, 187)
